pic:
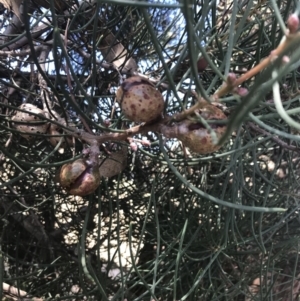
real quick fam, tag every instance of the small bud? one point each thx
(106, 122)
(146, 142)
(202, 64)
(86, 151)
(241, 91)
(293, 23)
(231, 79)
(285, 59)
(133, 146)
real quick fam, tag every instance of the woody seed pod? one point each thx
(139, 99)
(194, 135)
(27, 123)
(79, 177)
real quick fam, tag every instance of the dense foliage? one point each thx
(170, 224)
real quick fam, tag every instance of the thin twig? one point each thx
(289, 38)
(275, 139)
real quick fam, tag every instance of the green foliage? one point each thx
(173, 225)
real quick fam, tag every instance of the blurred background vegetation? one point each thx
(172, 225)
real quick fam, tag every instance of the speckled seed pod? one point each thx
(140, 101)
(79, 177)
(194, 135)
(56, 130)
(28, 123)
(114, 164)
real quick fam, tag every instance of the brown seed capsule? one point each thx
(194, 135)
(140, 101)
(79, 177)
(27, 123)
(114, 164)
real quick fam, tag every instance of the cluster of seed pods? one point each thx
(140, 101)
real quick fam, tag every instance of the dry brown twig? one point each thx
(289, 38)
